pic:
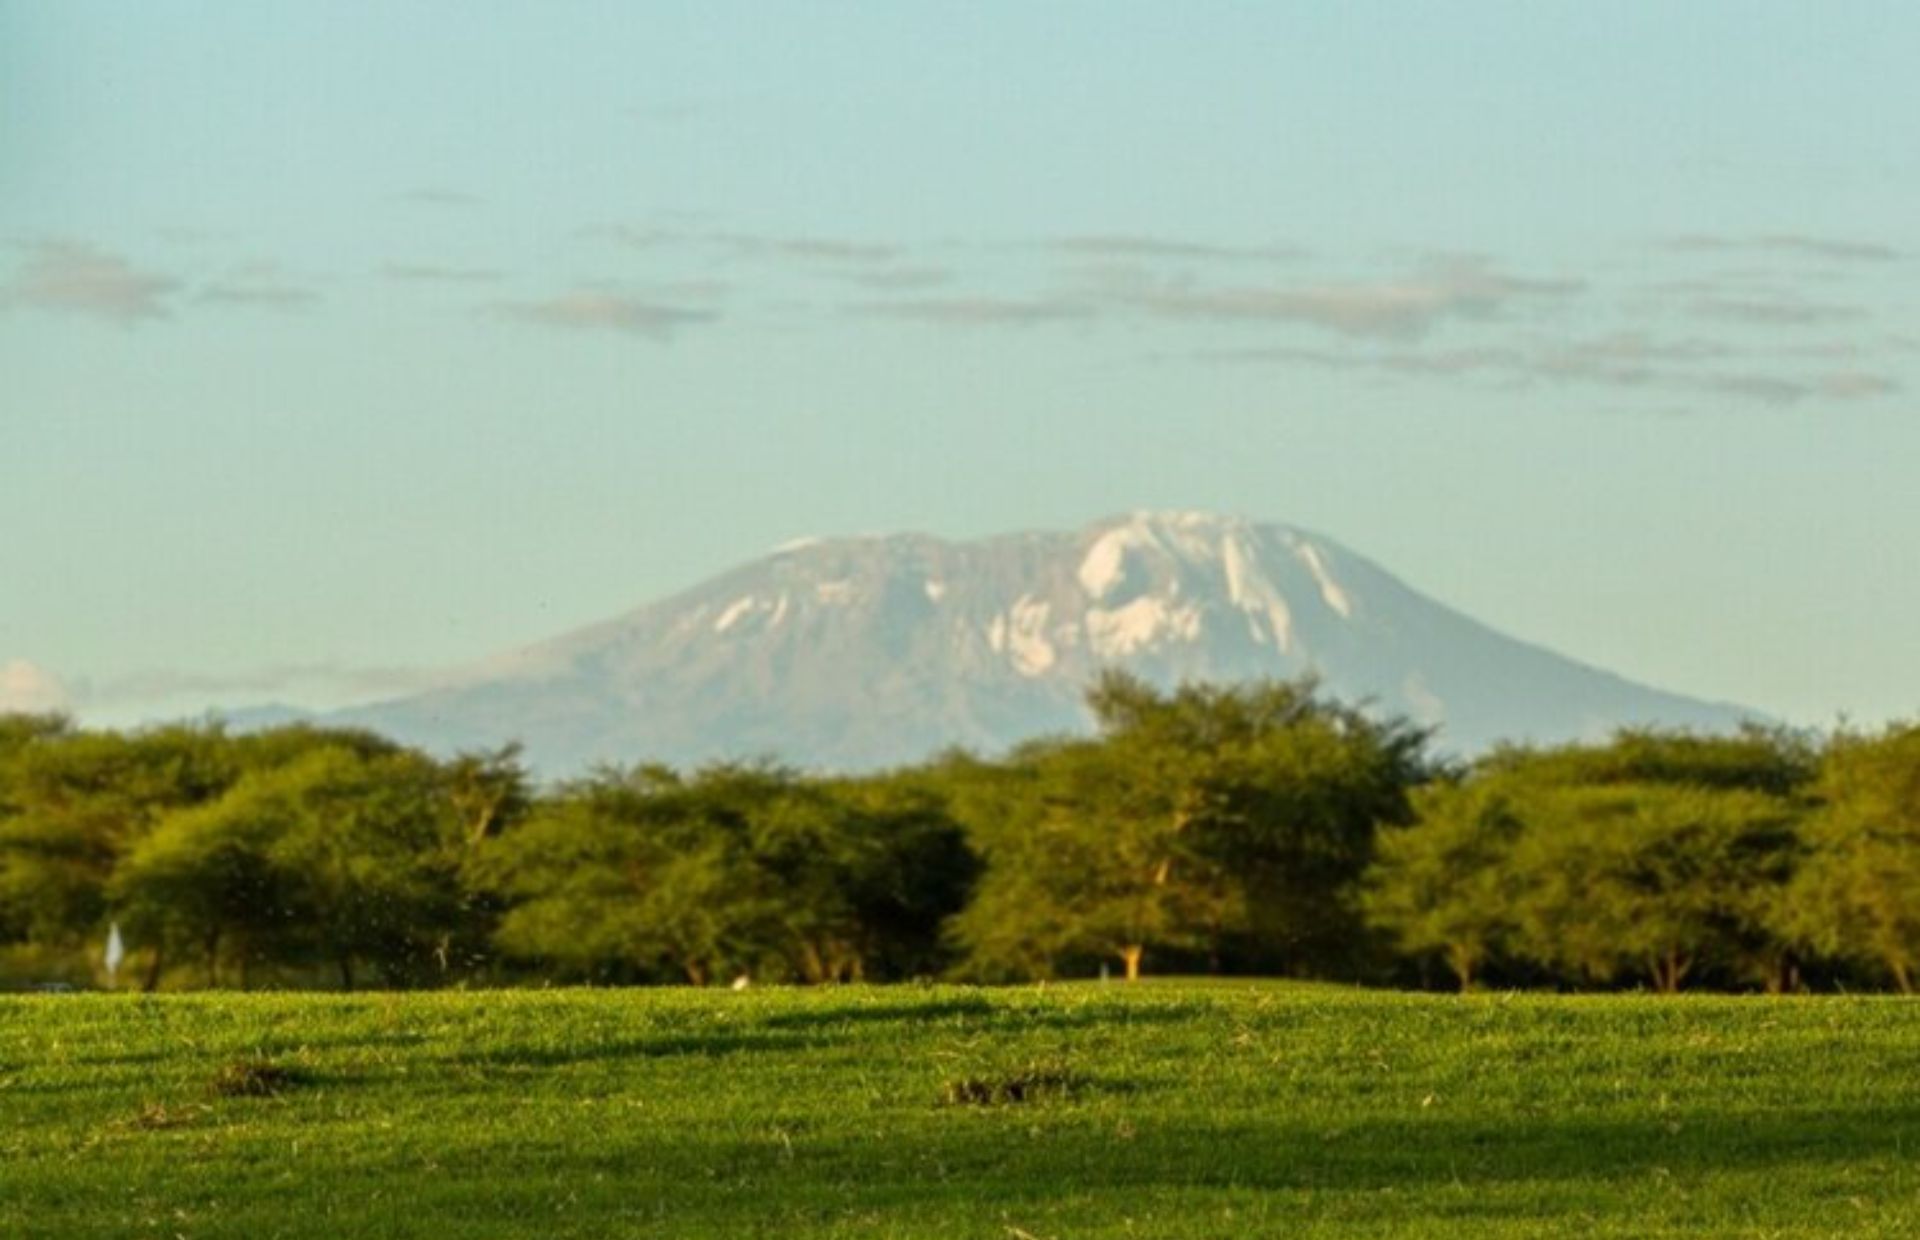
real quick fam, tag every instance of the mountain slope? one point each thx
(862, 652)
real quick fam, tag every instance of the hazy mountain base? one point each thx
(861, 653)
(1174, 1110)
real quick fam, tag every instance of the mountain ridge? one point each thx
(869, 651)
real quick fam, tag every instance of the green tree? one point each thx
(1857, 897)
(1195, 815)
(1656, 879)
(74, 803)
(341, 855)
(1446, 884)
(1091, 855)
(646, 873)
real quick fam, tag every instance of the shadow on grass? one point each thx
(954, 1167)
(920, 1012)
(1379, 1153)
(714, 1044)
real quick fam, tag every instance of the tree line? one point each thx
(1263, 828)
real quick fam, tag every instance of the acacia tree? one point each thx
(74, 803)
(339, 855)
(202, 881)
(1857, 897)
(1651, 878)
(646, 873)
(1446, 883)
(1196, 815)
(369, 849)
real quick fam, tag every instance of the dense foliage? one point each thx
(1262, 828)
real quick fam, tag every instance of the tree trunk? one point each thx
(1668, 970)
(346, 972)
(1460, 960)
(151, 982)
(1902, 976)
(482, 824)
(696, 976)
(213, 960)
(1130, 956)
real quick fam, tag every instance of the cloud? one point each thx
(76, 278)
(261, 285)
(808, 249)
(1771, 311)
(801, 248)
(29, 689)
(637, 237)
(1403, 309)
(977, 311)
(1112, 245)
(333, 680)
(587, 309)
(1854, 384)
(1400, 361)
(436, 273)
(1624, 360)
(1791, 244)
(897, 278)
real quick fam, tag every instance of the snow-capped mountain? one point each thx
(862, 652)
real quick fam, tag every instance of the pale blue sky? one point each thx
(341, 340)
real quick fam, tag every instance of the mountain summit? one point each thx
(862, 652)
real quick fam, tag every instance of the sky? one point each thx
(343, 342)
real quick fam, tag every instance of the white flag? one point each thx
(116, 950)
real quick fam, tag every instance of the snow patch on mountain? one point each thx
(1117, 633)
(1330, 591)
(735, 610)
(1026, 636)
(1250, 589)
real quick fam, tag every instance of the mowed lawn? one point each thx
(1166, 1109)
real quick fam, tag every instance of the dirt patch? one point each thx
(256, 1078)
(1031, 1084)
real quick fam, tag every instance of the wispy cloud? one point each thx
(27, 688)
(1776, 389)
(439, 273)
(807, 249)
(897, 277)
(75, 278)
(1403, 308)
(259, 284)
(1772, 311)
(797, 247)
(591, 310)
(1795, 244)
(1123, 246)
(328, 680)
(978, 311)
(1624, 360)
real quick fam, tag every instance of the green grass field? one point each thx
(1160, 1110)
